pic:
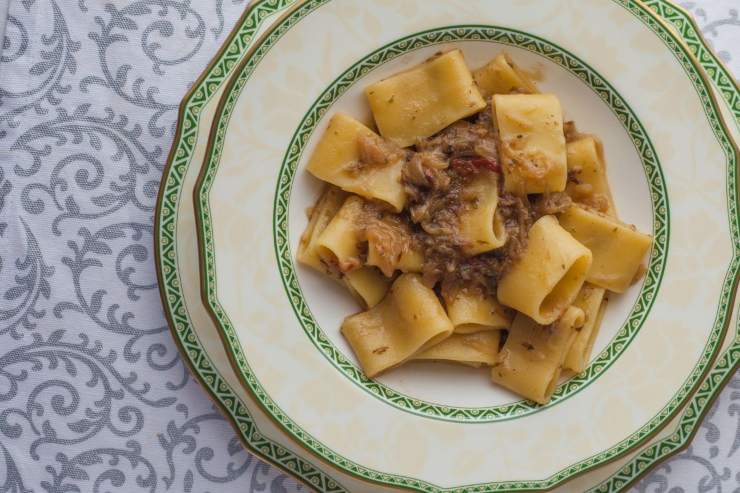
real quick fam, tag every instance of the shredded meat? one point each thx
(377, 151)
(390, 238)
(551, 203)
(425, 170)
(517, 214)
(435, 175)
(463, 139)
(446, 261)
(528, 164)
(431, 192)
(444, 256)
(374, 152)
(486, 269)
(441, 258)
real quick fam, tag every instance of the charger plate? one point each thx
(174, 210)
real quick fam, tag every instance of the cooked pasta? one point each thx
(592, 301)
(354, 158)
(501, 76)
(478, 349)
(588, 183)
(321, 214)
(422, 101)
(532, 357)
(546, 279)
(368, 285)
(390, 246)
(617, 248)
(409, 320)
(476, 226)
(338, 243)
(471, 311)
(532, 142)
(481, 228)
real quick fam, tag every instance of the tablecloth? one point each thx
(93, 393)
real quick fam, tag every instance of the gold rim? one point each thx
(280, 426)
(157, 258)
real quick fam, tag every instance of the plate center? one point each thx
(453, 391)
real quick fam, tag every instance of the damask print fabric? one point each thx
(93, 394)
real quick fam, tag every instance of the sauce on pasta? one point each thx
(472, 223)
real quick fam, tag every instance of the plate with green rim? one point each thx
(177, 311)
(416, 426)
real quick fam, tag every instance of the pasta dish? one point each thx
(472, 223)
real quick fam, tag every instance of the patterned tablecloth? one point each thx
(93, 393)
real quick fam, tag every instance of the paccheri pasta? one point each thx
(472, 224)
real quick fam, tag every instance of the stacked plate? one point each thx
(261, 332)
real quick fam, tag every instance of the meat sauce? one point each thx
(435, 173)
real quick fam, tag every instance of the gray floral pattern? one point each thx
(93, 393)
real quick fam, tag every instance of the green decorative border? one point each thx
(169, 279)
(556, 54)
(248, 378)
(194, 353)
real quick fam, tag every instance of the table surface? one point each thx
(93, 393)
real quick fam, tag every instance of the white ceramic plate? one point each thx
(422, 375)
(312, 386)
